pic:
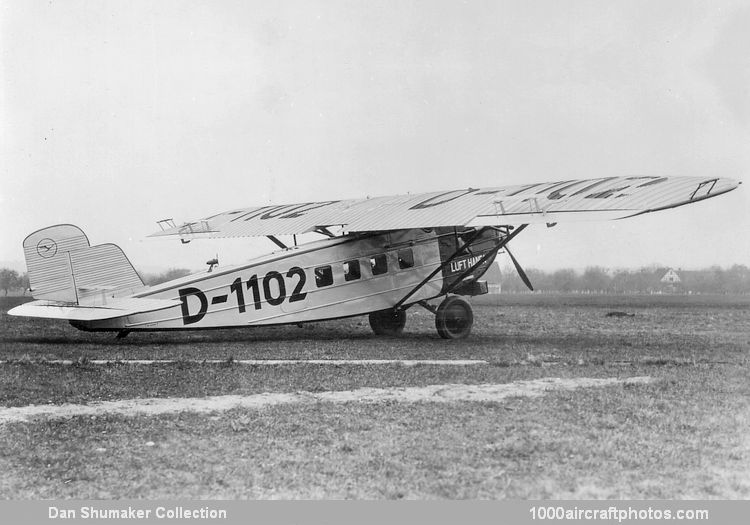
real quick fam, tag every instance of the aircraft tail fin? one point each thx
(63, 266)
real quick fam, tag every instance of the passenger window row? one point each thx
(378, 266)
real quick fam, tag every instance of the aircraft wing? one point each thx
(550, 202)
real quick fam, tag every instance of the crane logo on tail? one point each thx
(46, 248)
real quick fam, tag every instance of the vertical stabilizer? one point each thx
(63, 266)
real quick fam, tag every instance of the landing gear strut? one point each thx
(388, 322)
(454, 318)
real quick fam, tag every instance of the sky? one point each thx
(116, 114)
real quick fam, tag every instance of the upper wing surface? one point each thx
(570, 200)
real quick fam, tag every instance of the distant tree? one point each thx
(511, 282)
(9, 279)
(595, 279)
(648, 278)
(738, 279)
(622, 282)
(702, 281)
(718, 280)
(565, 280)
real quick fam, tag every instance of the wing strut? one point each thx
(465, 245)
(277, 242)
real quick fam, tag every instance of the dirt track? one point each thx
(433, 393)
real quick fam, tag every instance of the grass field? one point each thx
(684, 435)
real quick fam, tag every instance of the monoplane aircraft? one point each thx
(377, 257)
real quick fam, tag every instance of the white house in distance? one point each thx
(670, 280)
(671, 277)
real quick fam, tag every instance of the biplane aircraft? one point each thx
(376, 256)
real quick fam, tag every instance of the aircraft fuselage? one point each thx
(326, 279)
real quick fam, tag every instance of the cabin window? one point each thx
(351, 270)
(405, 258)
(379, 264)
(323, 276)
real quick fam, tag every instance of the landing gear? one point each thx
(454, 318)
(388, 322)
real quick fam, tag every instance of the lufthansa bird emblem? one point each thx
(46, 248)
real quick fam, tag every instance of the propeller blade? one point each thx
(520, 271)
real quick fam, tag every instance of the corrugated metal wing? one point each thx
(570, 200)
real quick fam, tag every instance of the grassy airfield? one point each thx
(684, 435)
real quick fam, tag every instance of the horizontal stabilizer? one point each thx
(73, 312)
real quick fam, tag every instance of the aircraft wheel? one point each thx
(454, 318)
(388, 322)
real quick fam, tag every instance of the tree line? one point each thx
(595, 279)
(12, 281)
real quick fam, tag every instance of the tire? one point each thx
(454, 318)
(388, 322)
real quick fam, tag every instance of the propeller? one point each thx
(520, 271)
